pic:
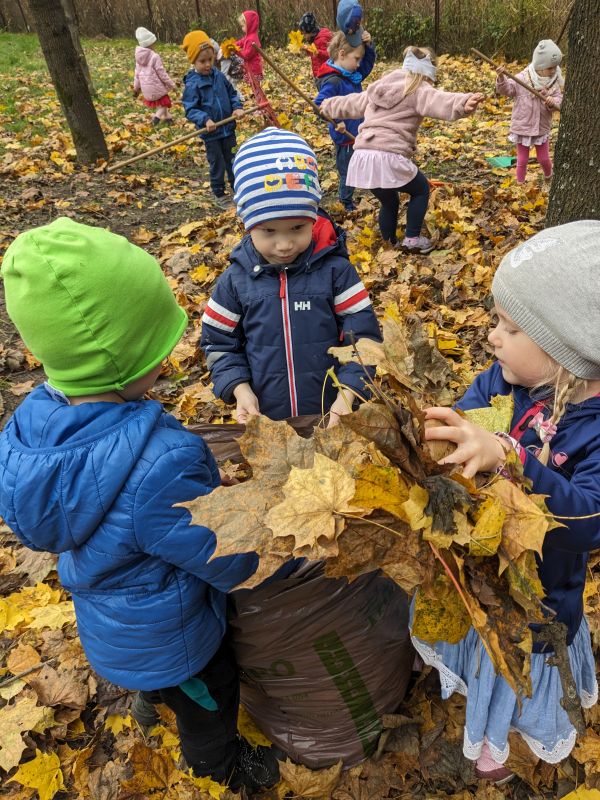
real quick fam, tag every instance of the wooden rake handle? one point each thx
(179, 140)
(298, 90)
(514, 78)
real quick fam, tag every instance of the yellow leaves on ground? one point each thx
(16, 718)
(36, 606)
(296, 41)
(581, 793)
(587, 752)
(43, 773)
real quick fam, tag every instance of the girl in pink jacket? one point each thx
(249, 22)
(151, 79)
(531, 117)
(393, 108)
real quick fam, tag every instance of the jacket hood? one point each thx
(62, 466)
(252, 21)
(327, 238)
(143, 56)
(327, 69)
(389, 90)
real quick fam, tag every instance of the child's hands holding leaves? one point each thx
(247, 402)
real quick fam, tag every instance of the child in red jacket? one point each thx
(316, 41)
(250, 21)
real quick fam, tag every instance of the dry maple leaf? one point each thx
(296, 41)
(313, 783)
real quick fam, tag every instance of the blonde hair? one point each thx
(567, 388)
(338, 43)
(417, 79)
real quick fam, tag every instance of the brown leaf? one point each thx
(305, 782)
(272, 448)
(56, 688)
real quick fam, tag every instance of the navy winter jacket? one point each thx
(97, 483)
(210, 97)
(271, 325)
(571, 480)
(332, 83)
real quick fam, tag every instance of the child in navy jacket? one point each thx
(90, 470)
(290, 292)
(208, 98)
(548, 359)
(343, 74)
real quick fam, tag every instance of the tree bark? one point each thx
(575, 190)
(73, 25)
(27, 28)
(68, 78)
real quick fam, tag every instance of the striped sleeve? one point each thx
(220, 317)
(354, 299)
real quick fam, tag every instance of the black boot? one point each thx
(144, 712)
(255, 767)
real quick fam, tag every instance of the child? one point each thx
(318, 37)
(249, 22)
(342, 75)
(289, 294)
(548, 359)
(151, 78)
(90, 470)
(531, 118)
(209, 97)
(393, 108)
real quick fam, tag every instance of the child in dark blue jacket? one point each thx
(548, 359)
(90, 470)
(289, 295)
(208, 98)
(349, 64)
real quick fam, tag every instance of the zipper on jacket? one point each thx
(287, 338)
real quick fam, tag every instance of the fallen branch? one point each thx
(7, 681)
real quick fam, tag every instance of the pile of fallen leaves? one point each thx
(366, 494)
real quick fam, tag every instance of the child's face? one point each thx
(350, 59)
(308, 37)
(243, 23)
(546, 73)
(205, 60)
(280, 241)
(523, 362)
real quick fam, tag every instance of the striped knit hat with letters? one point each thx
(275, 178)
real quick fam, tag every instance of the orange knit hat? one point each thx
(193, 43)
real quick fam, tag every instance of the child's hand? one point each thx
(340, 406)
(500, 71)
(247, 402)
(238, 113)
(473, 101)
(210, 125)
(366, 38)
(136, 92)
(477, 450)
(549, 103)
(341, 127)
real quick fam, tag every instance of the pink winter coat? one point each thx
(251, 58)
(151, 78)
(391, 121)
(530, 117)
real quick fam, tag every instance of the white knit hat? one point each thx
(546, 55)
(145, 37)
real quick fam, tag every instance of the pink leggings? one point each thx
(542, 152)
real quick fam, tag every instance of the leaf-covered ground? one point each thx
(65, 729)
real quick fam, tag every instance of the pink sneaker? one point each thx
(417, 244)
(487, 768)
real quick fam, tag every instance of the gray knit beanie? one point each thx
(546, 55)
(550, 287)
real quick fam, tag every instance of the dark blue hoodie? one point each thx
(210, 97)
(572, 482)
(97, 483)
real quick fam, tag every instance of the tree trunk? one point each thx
(575, 191)
(27, 28)
(73, 25)
(334, 12)
(68, 78)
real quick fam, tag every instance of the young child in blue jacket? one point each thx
(92, 471)
(208, 98)
(548, 359)
(351, 60)
(289, 294)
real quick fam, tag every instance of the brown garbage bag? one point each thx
(322, 660)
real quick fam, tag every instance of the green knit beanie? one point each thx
(95, 309)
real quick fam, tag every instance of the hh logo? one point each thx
(303, 305)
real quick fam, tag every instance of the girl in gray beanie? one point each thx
(546, 345)
(531, 119)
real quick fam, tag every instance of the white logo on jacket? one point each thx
(302, 305)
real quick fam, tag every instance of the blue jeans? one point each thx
(418, 189)
(220, 161)
(343, 154)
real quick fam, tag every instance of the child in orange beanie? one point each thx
(208, 98)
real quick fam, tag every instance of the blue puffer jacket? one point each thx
(97, 483)
(271, 326)
(571, 480)
(332, 83)
(210, 97)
